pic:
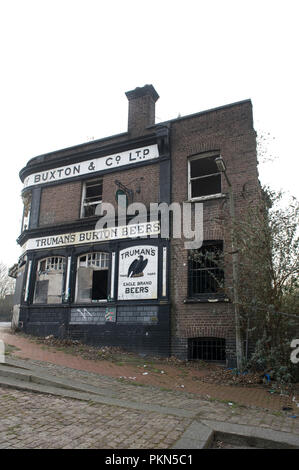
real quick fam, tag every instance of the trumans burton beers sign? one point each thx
(93, 236)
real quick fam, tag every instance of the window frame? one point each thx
(213, 349)
(106, 267)
(208, 196)
(94, 203)
(206, 296)
(51, 267)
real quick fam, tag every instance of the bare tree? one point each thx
(268, 242)
(6, 283)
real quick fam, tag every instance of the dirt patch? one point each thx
(202, 371)
(207, 380)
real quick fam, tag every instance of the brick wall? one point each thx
(60, 203)
(229, 130)
(149, 185)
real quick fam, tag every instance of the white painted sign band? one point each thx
(93, 236)
(92, 166)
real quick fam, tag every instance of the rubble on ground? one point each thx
(223, 376)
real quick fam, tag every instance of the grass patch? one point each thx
(9, 348)
(8, 397)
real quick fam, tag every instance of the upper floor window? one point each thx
(49, 280)
(206, 276)
(92, 277)
(91, 197)
(204, 176)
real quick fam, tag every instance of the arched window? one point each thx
(92, 277)
(49, 280)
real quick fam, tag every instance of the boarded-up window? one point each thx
(49, 280)
(41, 291)
(84, 281)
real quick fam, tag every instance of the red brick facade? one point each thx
(227, 131)
(62, 203)
(230, 131)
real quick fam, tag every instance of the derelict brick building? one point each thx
(120, 285)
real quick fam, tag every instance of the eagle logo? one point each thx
(137, 267)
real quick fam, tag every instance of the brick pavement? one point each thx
(33, 420)
(174, 378)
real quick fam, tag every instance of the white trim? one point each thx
(82, 200)
(112, 275)
(67, 282)
(198, 157)
(164, 277)
(205, 198)
(27, 281)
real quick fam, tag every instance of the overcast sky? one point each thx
(65, 66)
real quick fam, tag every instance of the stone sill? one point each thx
(207, 198)
(206, 300)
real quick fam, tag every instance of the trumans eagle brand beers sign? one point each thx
(92, 166)
(138, 273)
(92, 236)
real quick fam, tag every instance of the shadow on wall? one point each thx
(6, 307)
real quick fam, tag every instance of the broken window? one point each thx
(206, 275)
(204, 176)
(49, 280)
(92, 277)
(91, 197)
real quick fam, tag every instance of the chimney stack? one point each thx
(141, 109)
